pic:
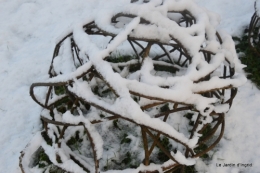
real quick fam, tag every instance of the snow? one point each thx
(31, 148)
(241, 140)
(29, 31)
(182, 159)
(59, 62)
(257, 7)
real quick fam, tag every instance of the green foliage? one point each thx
(58, 159)
(101, 92)
(120, 58)
(164, 108)
(102, 116)
(166, 144)
(63, 105)
(188, 115)
(125, 139)
(134, 67)
(165, 68)
(96, 91)
(136, 99)
(59, 90)
(190, 169)
(206, 131)
(125, 156)
(187, 169)
(125, 58)
(46, 138)
(43, 159)
(191, 123)
(250, 58)
(75, 141)
(106, 91)
(55, 169)
(115, 123)
(127, 159)
(201, 148)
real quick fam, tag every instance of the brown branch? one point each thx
(214, 89)
(145, 142)
(151, 105)
(212, 132)
(21, 161)
(156, 98)
(157, 137)
(161, 147)
(61, 135)
(215, 143)
(169, 57)
(172, 111)
(96, 161)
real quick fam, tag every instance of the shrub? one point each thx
(115, 112)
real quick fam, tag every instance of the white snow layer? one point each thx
(29, 30)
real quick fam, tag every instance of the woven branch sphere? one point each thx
(152, 96)
(253, 33)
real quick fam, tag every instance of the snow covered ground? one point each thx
(28, 33)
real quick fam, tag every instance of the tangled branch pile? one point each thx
(182, 71)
